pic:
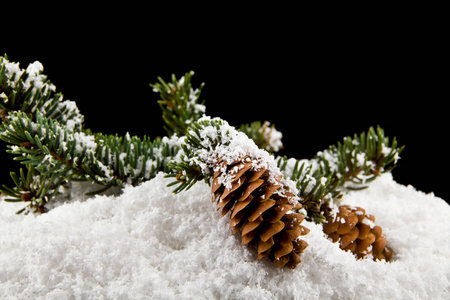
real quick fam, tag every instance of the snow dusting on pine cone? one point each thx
(260, 207)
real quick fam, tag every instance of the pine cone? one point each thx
(260, 207)
(356, 232)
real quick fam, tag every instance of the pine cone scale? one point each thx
(270, 229)
(264, 247)
(277, 212)
(269, 190)
(363, 244)
(283, 249)
(293, 219)
(249, 189)
(300, 245)
(350, 221)
(282, 261)
(330, 226)
(256, 174)
(251, 225)
(378, 231)
(287, 236)
(364, 230)
(236, 222)
(260, 208)
(247, 238)
(349, 237)
(293, 260)
(378, 246)
(224, 201)
(240, 169)
(240, 205)
(234, 186)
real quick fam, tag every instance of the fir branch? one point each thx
(30, 91)
(179, 103)
(349, 165)
(59, 155)
(53, 153)
(186, 175)
(32, 117)
(314, 188)
(133, 160)
(265, 135)
(212, 140)
(359, 160)
(201, 139)
(33, 188)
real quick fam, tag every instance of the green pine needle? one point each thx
(179, 103)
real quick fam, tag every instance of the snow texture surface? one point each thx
(151, 244)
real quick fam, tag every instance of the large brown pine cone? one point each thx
(261, 210)
(356, 232)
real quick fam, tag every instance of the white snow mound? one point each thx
(151, 244)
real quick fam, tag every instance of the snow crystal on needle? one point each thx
(33, 81)
(83, 140)
(37, 79)
(34, 76)
(72, 118)
(273, 137)
(13, 73)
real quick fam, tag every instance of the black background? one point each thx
(315, 85)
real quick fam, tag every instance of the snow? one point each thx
(13, 72)
(72, 119)
(273, 136)
(34, 77)
(37, 79)
(150, 243)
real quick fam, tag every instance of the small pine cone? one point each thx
(356, 232)
(260, 209)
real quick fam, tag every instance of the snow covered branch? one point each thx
(30, 91)
(359, 160)
(349, 165)
(57, 155)
(46, 134)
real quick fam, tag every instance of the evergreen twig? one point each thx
(315, 188)
(264, 135)
(33, 188)
(359, 160)
(57, 152)
(54, 154)
(349, 165)
(29, 91)
(180, 103)
(195, 163)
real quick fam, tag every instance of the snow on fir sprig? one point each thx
(266, 196)
(349, 165)
(46, 135)
(30, 91)
(206, 140)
